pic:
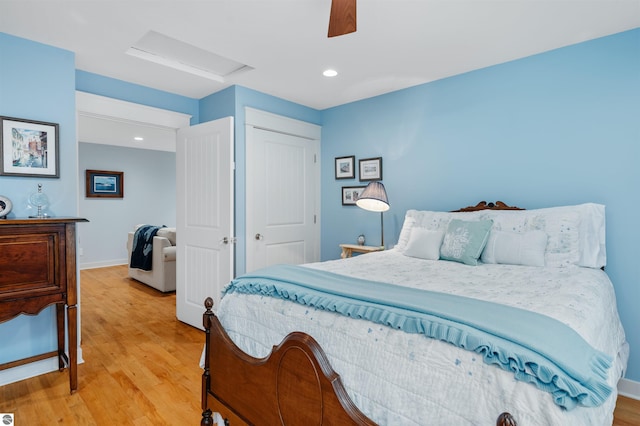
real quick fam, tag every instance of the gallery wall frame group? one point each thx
(370, 169)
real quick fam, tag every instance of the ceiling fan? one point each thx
(342, 19)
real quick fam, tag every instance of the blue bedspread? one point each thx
(536, 348)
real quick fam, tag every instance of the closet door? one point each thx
(205, 205)
(283, 190)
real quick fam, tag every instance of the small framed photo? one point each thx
(371, 169)
(350, 194)
(104, 184)
(29, 148)
(346, 167)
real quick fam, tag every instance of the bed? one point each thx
(487, 315)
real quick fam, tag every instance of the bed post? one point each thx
(506, 419)
(207, 415)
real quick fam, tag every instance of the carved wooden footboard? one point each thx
(293, 385)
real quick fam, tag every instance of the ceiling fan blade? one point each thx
(342, 19)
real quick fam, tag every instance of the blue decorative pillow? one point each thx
(464, 241)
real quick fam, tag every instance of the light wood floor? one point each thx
(141, 364)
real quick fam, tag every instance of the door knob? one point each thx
(259, 236)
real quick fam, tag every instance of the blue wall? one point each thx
(557, 128)
(31, 90)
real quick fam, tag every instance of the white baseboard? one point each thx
(37, 368)
(102, 264)
(629, 388)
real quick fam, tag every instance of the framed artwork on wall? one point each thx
(104, 184)
(346, 167)
(350, 194)
(28, 148)
(371, 169)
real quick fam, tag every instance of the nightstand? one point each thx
(349, 249)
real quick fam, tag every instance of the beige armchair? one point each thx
(163, 274)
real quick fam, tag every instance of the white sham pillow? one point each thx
(514, 248)
(424, 244)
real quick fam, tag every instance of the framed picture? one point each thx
(346, 167)
(350, 194)
(371, 169)
(28, 148)
(104, 184)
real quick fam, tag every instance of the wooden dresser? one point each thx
(38, 269)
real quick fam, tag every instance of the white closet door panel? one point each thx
(290, 252)
(285, 183)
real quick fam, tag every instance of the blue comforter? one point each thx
(536, 348)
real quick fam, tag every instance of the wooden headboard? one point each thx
(483, 205)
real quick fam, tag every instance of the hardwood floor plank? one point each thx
(141, 364)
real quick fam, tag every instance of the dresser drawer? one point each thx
(31, 262)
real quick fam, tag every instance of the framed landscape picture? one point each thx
(28, 148)
(104, 184)
(345, 167)
(371, 169)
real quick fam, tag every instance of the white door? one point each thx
(205, 205)
(282, 199)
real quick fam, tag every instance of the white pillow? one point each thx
(513, 248)
(424, 244)
(562, 228)
(434, 221)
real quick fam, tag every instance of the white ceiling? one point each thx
(398, 44)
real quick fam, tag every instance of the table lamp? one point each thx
(374, 198)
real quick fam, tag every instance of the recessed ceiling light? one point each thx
(330, 73)
(138, 138)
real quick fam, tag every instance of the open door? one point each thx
(205, 205)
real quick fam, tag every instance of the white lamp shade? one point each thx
(374, 198)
